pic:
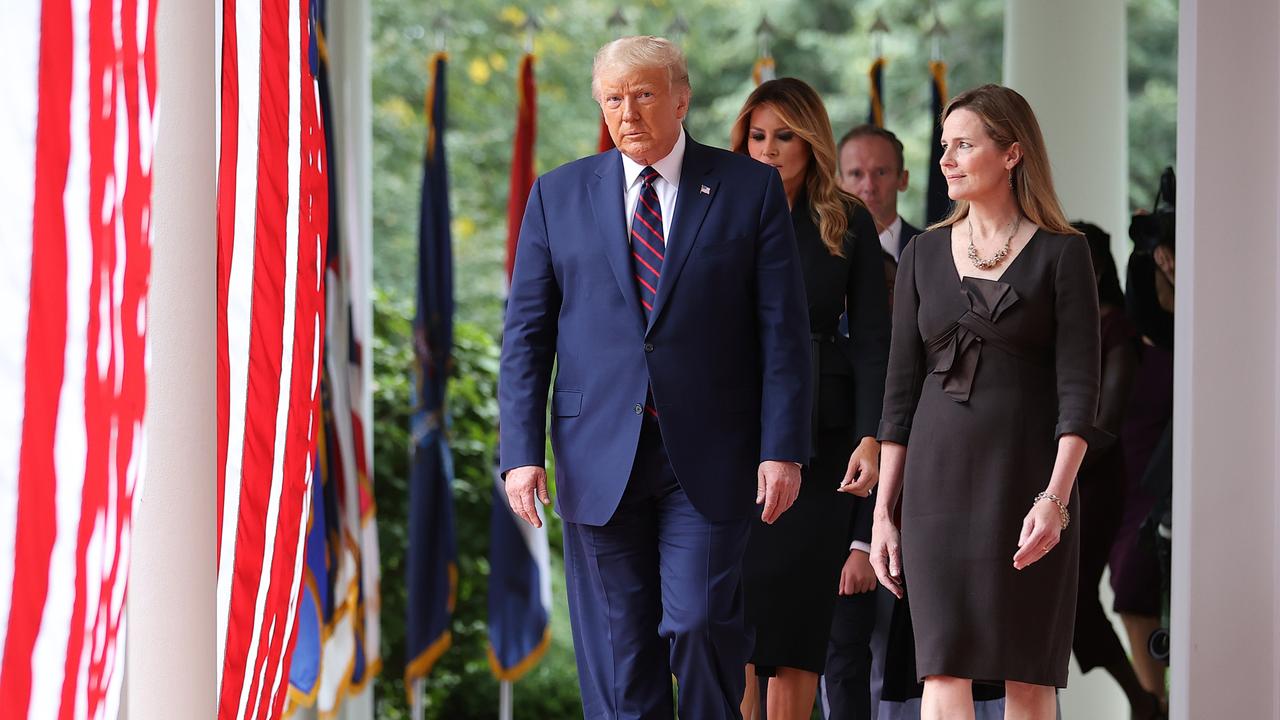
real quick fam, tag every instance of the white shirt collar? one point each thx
(895, 227)
(889, 236)
(668, 167)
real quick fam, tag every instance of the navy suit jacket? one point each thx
(726, 350)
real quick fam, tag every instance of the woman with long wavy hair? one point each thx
(793, 568)
(989, 406)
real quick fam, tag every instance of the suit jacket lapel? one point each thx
(605, 191)
(697, 188)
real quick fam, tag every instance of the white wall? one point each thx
(1227, 398)
(170, 647)
(1068, 58)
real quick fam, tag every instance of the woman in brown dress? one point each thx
(990, 402)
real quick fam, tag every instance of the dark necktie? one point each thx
(647, 241)
(648, 246)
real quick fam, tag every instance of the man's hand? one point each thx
(523, 485)
(777, 485)
(857, 575)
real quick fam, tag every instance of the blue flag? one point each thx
(875, 109)
(519, 590)
(937, 201)
(315, 603)
(432, 556)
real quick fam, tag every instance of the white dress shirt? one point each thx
(890, 240)
(667, 185)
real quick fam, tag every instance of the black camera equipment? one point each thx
(1156, 228)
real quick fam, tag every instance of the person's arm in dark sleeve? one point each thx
(528, 343)
(1077, 343)
(906, 372)
(782, 316)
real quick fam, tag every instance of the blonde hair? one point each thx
(801, 110)
(640, 51)
(1008, 119)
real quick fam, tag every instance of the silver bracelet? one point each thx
(1063, 513)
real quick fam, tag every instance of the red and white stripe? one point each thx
(77, 138)
(272, 221)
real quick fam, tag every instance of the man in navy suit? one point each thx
(662, 282)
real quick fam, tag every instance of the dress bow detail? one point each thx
(955, 351)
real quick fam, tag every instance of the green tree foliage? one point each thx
(1153, 95)
(461, 684)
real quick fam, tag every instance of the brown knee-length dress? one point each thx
(984, 377)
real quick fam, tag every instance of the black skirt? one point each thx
(791, 571)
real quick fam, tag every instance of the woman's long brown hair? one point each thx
(800, 109)
(1008, 119)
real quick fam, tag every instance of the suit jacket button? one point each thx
(648, 347)
(638, 409)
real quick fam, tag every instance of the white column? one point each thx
(1226, 565)
(171, 615)
(1068, 59)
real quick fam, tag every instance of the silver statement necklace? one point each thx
(1001, 254)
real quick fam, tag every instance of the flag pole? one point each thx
(505, 689)
(506, 693)
(765, 68)
(417, 711)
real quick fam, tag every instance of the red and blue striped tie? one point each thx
(647, 243)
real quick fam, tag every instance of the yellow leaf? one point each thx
(513, 15)
(397, 107)
(464, 227)
(478, 71)
(498, 62)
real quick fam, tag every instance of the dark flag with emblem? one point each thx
(432, 572)
(875, 113)
(937, 203)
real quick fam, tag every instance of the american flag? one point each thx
(272, 222)
(79, 86)
(338, 645)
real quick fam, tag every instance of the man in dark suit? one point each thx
(872, 167)
(662, 281)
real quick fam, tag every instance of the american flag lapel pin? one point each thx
(704, 190)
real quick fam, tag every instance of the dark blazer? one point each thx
(726, 351)
(851, 386)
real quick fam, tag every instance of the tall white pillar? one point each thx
(1068, 59)
(170, 657)
(1226, 564)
